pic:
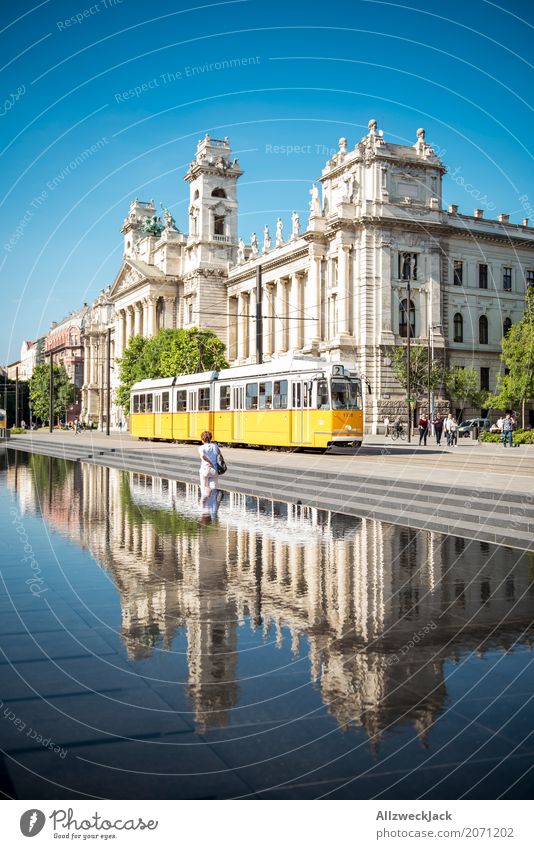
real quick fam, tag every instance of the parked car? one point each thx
(464, 429)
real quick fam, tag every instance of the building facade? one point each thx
(375, 233)
(378, 257)
(31, 355)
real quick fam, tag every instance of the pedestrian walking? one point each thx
(453, 427)
(423, 429)
(508, 430)
(386, 426)
(438, 428)
(209, 477)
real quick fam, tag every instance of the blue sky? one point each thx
(314, 72)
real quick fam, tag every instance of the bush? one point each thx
(15, 430)
(521, 437)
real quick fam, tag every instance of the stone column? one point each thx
(138, 318)
(295, 313)
(343, 289)
(144, 320)
(241, 325)
(129, 331)
(151, 329)
(268, 308)
(168, 319)
(280, 319)
(85, 362)
(92, 361)
(119, 333)
(312, 307)
(252, 323)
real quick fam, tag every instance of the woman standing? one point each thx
(209, 477)
(438, 428)
(423, 429)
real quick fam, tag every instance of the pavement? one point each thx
(479, 491)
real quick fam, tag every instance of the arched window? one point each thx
(218, 193)
(483, 330)
(458, 328)
(403, 319)
(506, 326)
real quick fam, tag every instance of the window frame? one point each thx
(483, 330)
(267, 395)
(249, 395)
(458, 322)
(225, 402)
(409, 313)
(204, 399)
(458, 272)
(181, 399)
(165, 401)
(483, 275)
(507, 278)
(280, 398)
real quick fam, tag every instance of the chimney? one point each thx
(525, 222)
(504, 218)
(453, 209)
(479, 213)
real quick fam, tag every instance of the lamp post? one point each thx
(408, 362)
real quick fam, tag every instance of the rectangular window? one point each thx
(323, 402)
(136, 403)
(181, 401)
(251, 399)
(407, 269)
(218, 225)
(458, 272)
(507, 279)
(204, 398)
(190, 312)
(149, 403)
(224, 398)
(482, 276)
(484, 378)
(307, 393)
(280, 395)
(142, 403)
(530, 277)
(266, 396)
(165, 402)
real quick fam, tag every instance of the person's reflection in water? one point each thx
(210, 507)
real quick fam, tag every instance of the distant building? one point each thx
(64, 342)
(13, 370)
(31, 355)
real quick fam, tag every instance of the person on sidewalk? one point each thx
(508, 430)
(447, 428)
(386, 426)
(438, 428)
(453, 429)
(423, 429)
(209, 477)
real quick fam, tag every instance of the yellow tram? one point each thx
(299, 402)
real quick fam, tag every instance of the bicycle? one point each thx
(398, 433)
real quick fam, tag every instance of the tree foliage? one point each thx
(462, 385)
(169, 353)
(517, 387)
(40, 388)
(418, 370)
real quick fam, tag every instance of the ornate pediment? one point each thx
(127, 278)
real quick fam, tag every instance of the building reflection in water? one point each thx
(379, 609)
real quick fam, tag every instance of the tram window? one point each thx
(204, 398)
(307, 393)
(136, 403)
(142, 399)
(181, 401)
(323, 402)
(251, 402)
(345, 394)
(164, 402)
(280, 395)
(266, 396)
(149, 403)
(224, 398)
(297, 396)
(157, 403)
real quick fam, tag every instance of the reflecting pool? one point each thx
(255, 649)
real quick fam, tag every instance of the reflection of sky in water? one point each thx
(277, 615)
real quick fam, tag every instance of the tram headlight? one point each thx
(348, 427)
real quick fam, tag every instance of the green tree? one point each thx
(131, 369)
(169, 353)
(517, 387)
(39, 392)
(462, 385)
(418, 370)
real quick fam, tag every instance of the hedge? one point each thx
(521, 437)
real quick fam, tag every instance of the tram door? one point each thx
(238, 414)
(192, 407)
(297, 413)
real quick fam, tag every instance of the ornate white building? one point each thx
(337, 284)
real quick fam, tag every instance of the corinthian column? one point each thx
(151, 316)
(280, 317)
(119, 334)
(129, 324)
(312, 306)
(295, 313)
(343, 289)
(138, 319)
(241, 326)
